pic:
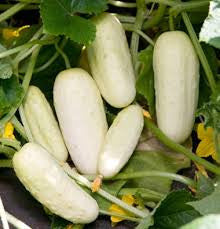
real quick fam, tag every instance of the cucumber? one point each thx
(81, 115)
(45, 179)
(121, 140)
(176, 73)
(110, 62)
(43, 124)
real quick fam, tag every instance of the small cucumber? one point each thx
(45, 179)
(110, 62)
(81, 115)
(121, 140)
(43, 125)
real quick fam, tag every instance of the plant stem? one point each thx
(179, 148)
(142, 34)
(25, 85)
(184, 6)
(16, 222)
(122, 4)
(200, 52)
(172, 176)
(25, 123)
(83, 181)
(26, 52)
(63, 54)
(7, 151)
(164, 2)
(18, 127)
(3, 216)
(13, 10)
(27, 45)
(11, 142)
(133, 219)
(125, 19)
(156, 18)
(4, 7)
(30, 1)
(6, 163)
(171, 22)
(145, 193)
(52, 59)
(137, 26)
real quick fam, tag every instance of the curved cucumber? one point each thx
(176, 69)
(81, 115)
(110, 62)
(121, 140)
(43, 125)
(51, 186)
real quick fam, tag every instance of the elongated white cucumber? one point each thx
(121, 140)
(110, 62)
(176, 73)
(43, 125)
(45, 179)
(81, 115)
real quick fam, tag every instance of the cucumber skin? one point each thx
(45, 179)
(176, 74)
(110, 62)
(81, 116)
(43, 124)
(121, 140)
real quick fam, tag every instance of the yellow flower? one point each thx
(128, 199)
(8, 131)
(146, 114)
(8, 33)
(206, 147)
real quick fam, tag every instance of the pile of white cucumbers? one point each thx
(82, 129)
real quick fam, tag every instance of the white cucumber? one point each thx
(43, 125)
(45, 179)
(176, 73)
(81, 115)
(121, 140)
(110, 62)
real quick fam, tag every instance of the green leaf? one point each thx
(88, 6)
(60, 18)
(209, 222)
(111, 187)
(205, 186)
(210, 32)
(5, 66)
(154, 160)
(174, 212)
(210, 204)
(11, 93)
(145, 81)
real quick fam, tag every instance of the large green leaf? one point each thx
(174, 212)
(210, 32)
(210, 204)
(88, 6)
(60, 17)
(157, 161)
(205, 222)
(145, 81)
(11, 93)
